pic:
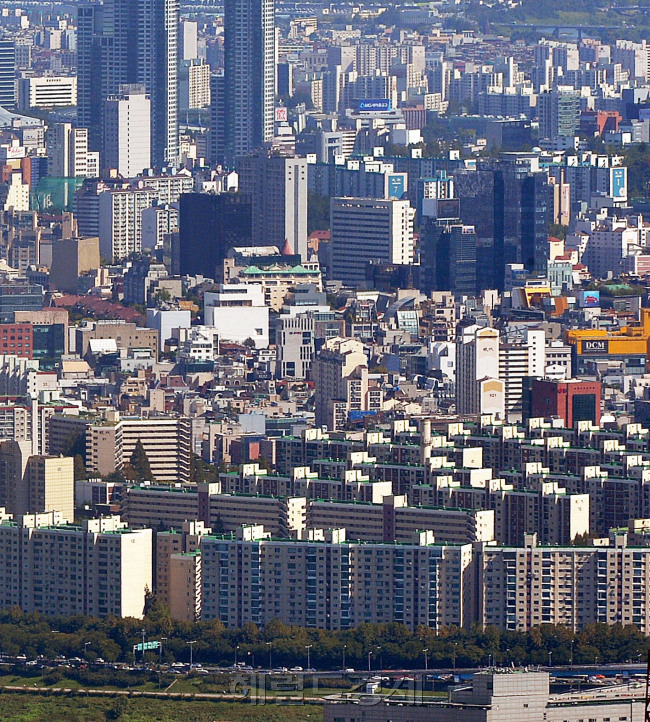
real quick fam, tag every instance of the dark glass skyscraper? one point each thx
(7, 73)
(209, 225)
(508, 204)
(448, 257)
(124, 42)
(249, 79)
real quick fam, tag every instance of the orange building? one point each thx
(630, 346)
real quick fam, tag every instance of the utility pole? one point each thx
(191, 653)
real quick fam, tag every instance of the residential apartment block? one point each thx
(327, 582)
(530, 585)
(96, 569)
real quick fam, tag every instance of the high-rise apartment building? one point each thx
(166, 441)
(530, 585)
(366, 229)
(249, 93)
(35, 484)
(123, 42)
(326, 582)
(68, 155)
(120, 220)
(178, 570)
(127, 131)
(478, 388)
(97, 569)
(277, 187)
(193, 84)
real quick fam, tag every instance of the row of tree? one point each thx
(390, 646)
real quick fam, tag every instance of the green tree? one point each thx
(79, 468)
(557, 230)
(139, 462)
(318, 212)
(75, 444)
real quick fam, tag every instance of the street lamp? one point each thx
(381, 658)
(455, 647)
(369, 655)
(550, 659)
(236, 650)
(426, 659)
(270, 646)
(345, 646)
(85, 648)
(192, 643)
(162, 641)
(308, 648)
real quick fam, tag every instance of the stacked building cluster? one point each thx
(327, 314)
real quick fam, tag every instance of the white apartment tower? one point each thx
(478, 388)
(100, 568)
(127, 131)
(68, 154)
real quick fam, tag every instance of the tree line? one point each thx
(389, 646)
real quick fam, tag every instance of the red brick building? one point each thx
(571, 401)
(17, 339)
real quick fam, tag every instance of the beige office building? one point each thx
(71, 257)
(340, 375)
(126, 335)
(166, 440)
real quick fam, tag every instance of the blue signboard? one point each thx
(396, 187)
(619, 178)
(375, 105)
